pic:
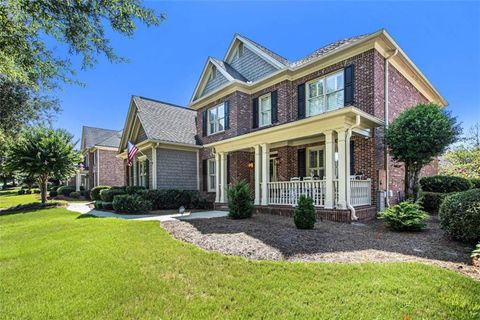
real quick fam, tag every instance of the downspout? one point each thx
(347, 168)
(385, 112)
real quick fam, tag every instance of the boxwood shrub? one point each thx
(107, 195)
(134, 189)
(37, 191)
(170, 198)
(405, 216)
(21, 191)
(460, 215)
(131, 203)
(75, 194)
(65, 190)
(28, 191)
(95, 192)
(444, 184)
(53, 193)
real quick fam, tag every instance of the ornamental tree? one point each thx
(418, 135)
(44, 153)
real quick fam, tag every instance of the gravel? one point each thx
(268, 237)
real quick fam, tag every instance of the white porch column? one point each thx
(223, 177)
(329, 168)
(77, 181)
(153, 167)
(135, 173)
(257, 168)
(342, 173)
(265, 172)
(217, 177)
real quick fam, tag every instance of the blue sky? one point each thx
(442, 38)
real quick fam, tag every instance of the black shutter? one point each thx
(349, 75)
(204, 122)
(137, 165)
(274, 100)
(255, 113)
(127, 171)
(352, 157)
(226, 110)
(301, 163)
(301, 101)
(228, 169)
(147, 171)
(204, 175)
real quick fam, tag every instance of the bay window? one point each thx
(216, 119)
(325, 94)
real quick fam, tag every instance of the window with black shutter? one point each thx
(204, 122)
(349, 76)
(301, 101)
(255, 113)
(227, 114)
(274, 99)
(301, 162)
(204, 175)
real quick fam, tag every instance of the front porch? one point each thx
(325, 158)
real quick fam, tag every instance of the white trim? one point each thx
(324, 92)
(98, 167)
(209, 174)
(204, 77)
(307, 159)
(198, 170)
(217, 122)
(252, 47)
(265, 96)
(154, 167)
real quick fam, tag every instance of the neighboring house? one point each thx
(100, 166)
(312, 126)
(165, 135)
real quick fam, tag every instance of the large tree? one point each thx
(418, 135)
(43, 153)
(462, 161)
(28, 25)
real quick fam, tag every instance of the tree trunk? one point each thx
(43, 189)
(411, 182)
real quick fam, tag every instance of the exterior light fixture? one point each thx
(250, 165)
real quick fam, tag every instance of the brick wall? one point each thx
(111, 168)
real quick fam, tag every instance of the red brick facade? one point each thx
(107, 166)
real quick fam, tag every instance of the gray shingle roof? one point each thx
(100, 137)
(231, 71)
(166, 122)
(269, 52)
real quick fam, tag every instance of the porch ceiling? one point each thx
(309, 127)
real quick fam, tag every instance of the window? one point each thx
(142, 168)
(273, 167)
(325, 94)
(216, 119)
(94, 156)
(316, 162)
(265, 110)
(211, 175)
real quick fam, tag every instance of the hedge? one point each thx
(475, 183)
(128, 203)
(107, 195)
(170, 198)
(444, 184)
(431, 201)
(95, 192)
(65, 190)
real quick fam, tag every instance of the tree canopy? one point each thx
(418, 135)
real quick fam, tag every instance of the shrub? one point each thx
(65, 190)
(107, 205)
(169, 198)
(36, 191)
(21, 191)
(75, 194)
(95, 192)
(28, 191)
(444, 184)
(304, 213)
(107, 195)
(475, 183)
(98, 204)
(201, 202)
(53, 193)
(240, 200)
(431, 201)
(405, 216)
(82, 188)
(134, 189)
(53, 188)
(33, 206)
(131, 203)
(460, 215)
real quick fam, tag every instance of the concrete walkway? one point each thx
(83, 208)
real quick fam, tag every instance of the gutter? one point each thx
(385, 112)
(347, 152)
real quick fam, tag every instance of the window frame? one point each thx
(211, 184)
(325, 94)
(142, 174)
(308, 168)
(268, 111)
(217, 120)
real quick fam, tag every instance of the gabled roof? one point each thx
(162, 121)
(258, 46)
(228, 68)
(92, 137)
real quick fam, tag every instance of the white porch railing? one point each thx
(287, 192)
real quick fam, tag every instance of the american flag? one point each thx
(132, 151)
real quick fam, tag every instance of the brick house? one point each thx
(100, 164)
(165, 135)
(312, 126)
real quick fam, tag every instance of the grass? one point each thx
(10, 198)
(56, 265)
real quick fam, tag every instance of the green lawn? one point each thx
(9, 198)
(54, 265)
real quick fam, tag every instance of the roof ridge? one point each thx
(273, 54)
(164, 102)
(101, 128)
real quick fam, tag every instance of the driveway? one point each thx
(83, 208)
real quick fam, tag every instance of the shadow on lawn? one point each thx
(330, 237)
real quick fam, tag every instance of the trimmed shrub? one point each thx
(36, 191)
(169, 198)
(82, 188)
(134, 189)
(405, 216)
(475, 183)
(201, 202)
(304, 214)
(460, 215)
(65, 190)
(431, 201)
(33, 206)
(107, 195)
(28, 191)
(75, 194)
(98, 204)
(240, 200)
(444, 184)
(131, 203)
(53, 188)
(107, 205)
(53, 193)
(21, 191)
(95, 192)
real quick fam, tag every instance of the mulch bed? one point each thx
(268, 237)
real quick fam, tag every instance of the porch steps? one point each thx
(221, 206)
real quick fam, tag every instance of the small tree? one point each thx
(44, 153)
(304, 213)
(418, 135)
(240, 201)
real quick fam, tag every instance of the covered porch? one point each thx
(322, 157)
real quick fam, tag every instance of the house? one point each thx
(312, 126)
(100, 164)
(165, 135)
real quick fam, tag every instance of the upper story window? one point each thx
(216, 119)
(325, 94)
(265, 110)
